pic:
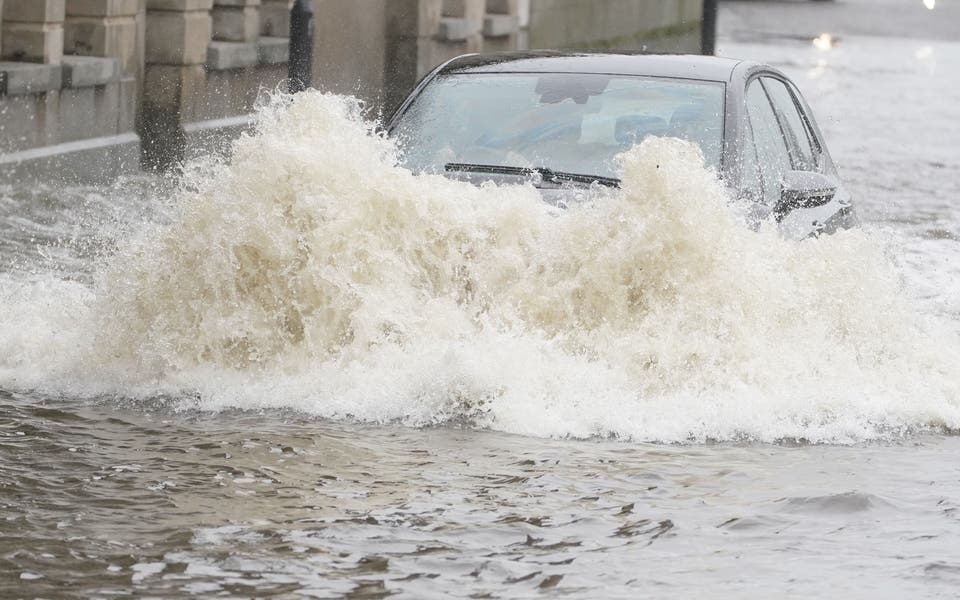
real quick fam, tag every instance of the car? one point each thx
(558, 119)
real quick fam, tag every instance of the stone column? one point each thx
(412, 29)
(342, 65)
(177, 37)
(501, 26)
(178, 31)
(461, 26)
(275, 18)
(33, 31)
(105, 28)
(236, 20)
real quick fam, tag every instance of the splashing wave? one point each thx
(312, 272)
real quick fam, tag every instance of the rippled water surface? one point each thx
(197, 402)
(109, 498)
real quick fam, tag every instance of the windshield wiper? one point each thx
(546, 174)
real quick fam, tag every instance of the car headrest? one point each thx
(630, 129)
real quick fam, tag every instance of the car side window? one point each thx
(795, 131)
(772, 153)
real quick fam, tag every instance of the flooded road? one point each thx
(113, 499)
(171, 427)
(888, 105)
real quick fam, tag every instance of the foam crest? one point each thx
(313, 273)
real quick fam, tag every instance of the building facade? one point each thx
(90, 87)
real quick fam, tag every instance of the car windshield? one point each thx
(569, 122)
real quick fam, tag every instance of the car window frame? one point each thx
(769, 195)
(816, 146)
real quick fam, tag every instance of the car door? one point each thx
(786, 140)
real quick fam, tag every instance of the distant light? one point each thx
(930, 4)
(824, 41)
(923, 53)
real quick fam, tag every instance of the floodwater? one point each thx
(309, 374)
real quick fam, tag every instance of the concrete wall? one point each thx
(640, 25)
(379, 49)
(69, 71)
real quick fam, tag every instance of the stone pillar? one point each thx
(523, 22)
(275, 18)
(501, 26)
(178, 31)
(236, 20)
(461, 26)
(33, 31)
(104, 28)
(340, 64)
(141, 19)
(177, 37)
(412, 29)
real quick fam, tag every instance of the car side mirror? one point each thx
(803, 189)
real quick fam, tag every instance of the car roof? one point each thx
(681, 66)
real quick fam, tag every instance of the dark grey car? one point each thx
(559, 119)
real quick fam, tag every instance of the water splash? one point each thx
(313, 273)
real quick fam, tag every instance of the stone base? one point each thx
(500, 25)
(457, 29)
(222, 56)
(500, 32)
(89, 71)
(30, 78)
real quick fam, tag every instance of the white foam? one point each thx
(313, 273)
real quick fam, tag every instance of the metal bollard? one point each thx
(708, 35)
(300, 66)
